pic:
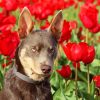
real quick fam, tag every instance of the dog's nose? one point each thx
(46, 69)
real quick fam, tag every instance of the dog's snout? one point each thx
(46, 69)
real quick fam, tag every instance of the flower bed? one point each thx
(76, 74)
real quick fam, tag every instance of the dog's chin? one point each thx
(39, 76)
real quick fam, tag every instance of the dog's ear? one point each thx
(57, 25)
(25, 24)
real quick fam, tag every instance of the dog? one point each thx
(28, 79)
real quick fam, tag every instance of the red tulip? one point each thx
(9, 5)
(8, 42)
(73, 51)
(67, 50)
(98, 2)
(95, 29)
(89, 16)
(66, 32)
(97, 80)
(76, 52)
(23, 2)
(2, 15)
(89, 57)
(84, 48)
(79, 52)
(69, 3)
(9, 19)
(65, 71)
(7, 23)
(41, 10)
(89, 1)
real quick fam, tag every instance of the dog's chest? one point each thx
(18, 89)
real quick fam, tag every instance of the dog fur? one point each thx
(34, 58)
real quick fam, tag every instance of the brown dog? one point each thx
(29, 77)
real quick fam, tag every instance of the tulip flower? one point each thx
(89, 57)
(96, 79)
(66, 32)
(9, 5)
(7, 22)
(8, 42)
(89, 1)
(65, 71)
(79, 52)
(89, 17)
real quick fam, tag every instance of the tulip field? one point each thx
(76, 72)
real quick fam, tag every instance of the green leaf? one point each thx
(86, 96)
(92, 88)
(98, 51)
(69, 88)
(96, 62)
(82, 76)
(59, 95)
(94, 70)
(82, 85)
(55, 80)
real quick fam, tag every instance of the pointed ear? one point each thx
(25, 23)
(57, 25)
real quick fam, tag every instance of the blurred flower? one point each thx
(95, 29)
(89, 16)
(98, 2)
(65, 71)
(7, 22)
(9, 5)
(41, 10)
(66, 32)
(23, 2)
(8, 42)
(84, 48)
(97, 81)
(89, 1)
(69, 3)
(2, 15)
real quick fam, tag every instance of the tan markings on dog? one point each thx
(32, 70)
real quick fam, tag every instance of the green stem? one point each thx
(88, 78)
(76, 83)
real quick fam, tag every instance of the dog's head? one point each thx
(38, 48)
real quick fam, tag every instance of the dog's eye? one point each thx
(35, 49)
(51, 50)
